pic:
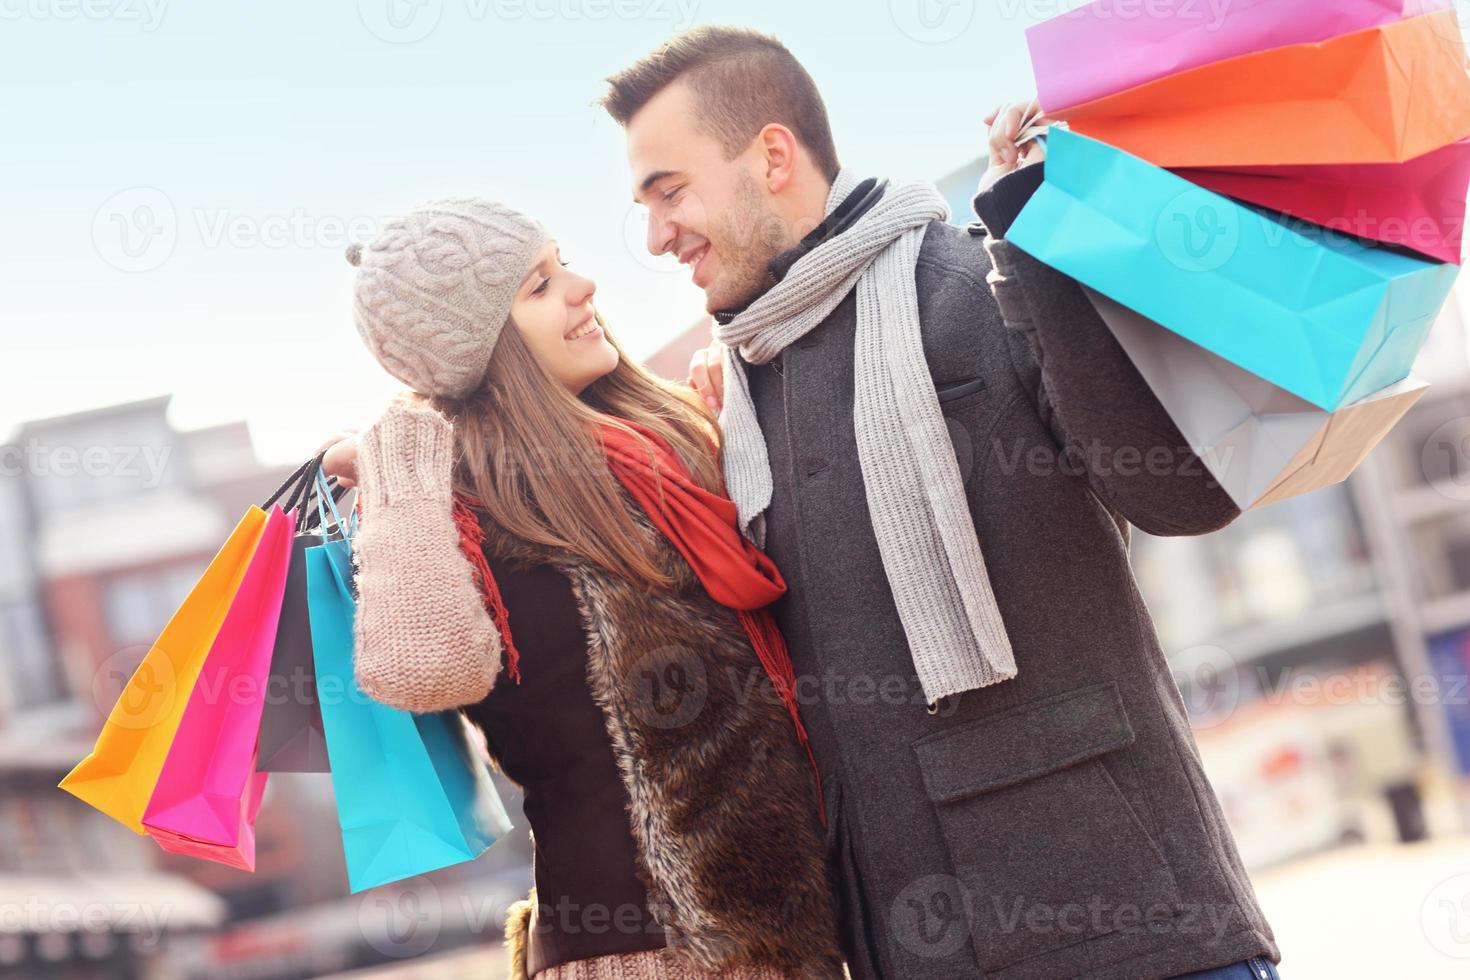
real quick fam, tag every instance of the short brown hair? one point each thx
(742, 80)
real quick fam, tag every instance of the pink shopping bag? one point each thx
(208, 792)
(1418, 204)
(1112, 45)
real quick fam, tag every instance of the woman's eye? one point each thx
(540, 288)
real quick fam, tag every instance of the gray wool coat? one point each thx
(1052, 826)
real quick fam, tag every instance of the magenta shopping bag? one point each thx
(1418, 204)
(1111, 45)
(208, 792)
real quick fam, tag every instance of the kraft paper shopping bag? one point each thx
(1261, 443)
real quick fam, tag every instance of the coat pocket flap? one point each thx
(1024, 742)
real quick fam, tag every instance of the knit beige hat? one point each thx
(434, 290)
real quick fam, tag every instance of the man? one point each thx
(946, 468)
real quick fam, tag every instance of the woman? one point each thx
(544, 543)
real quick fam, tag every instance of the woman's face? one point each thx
(553, 312)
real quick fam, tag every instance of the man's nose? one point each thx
(661, 235)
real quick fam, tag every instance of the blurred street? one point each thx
(182, 323)
(1397, 911)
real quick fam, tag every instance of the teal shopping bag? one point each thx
(412, 792)
(1325, 316)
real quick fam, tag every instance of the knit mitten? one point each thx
(423, 639)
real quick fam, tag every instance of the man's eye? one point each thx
(669, 195)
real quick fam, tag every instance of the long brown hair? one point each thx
(528, 451)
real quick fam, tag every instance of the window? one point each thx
(139, 605)
(27, 661)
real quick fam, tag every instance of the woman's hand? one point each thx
(1007, 123)
(707, 374)
(341, 458)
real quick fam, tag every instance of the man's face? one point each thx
(713, 213)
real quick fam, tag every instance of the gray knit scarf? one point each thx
(916, 497)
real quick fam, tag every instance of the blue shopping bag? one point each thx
(1325, 316)
(412, 792)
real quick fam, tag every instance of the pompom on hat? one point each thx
(434, 290)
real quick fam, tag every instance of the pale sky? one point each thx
(179, 179)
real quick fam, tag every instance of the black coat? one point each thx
(1059, 824)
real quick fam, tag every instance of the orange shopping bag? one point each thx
(119, 774)
(1382, 95)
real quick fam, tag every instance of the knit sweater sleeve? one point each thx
(423, 640)
(1091, 396)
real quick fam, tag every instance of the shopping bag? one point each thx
(208, 791)
(1383, 95)
(1418, 204)
(291, 736)
(1325, 316)
(1261, 443)
(117, 777)
(412, 795)
(1111, 45)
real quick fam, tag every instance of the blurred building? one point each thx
(107, 519)
(102, 525)
(671, 361)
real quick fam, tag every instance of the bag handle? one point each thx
(296, 480)
(309, 516)
(325, 496)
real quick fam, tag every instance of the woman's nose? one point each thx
(581, 291)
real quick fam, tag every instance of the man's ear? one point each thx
(778, 148)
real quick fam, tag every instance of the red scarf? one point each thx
(702, 526)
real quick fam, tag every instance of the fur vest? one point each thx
(722, 797)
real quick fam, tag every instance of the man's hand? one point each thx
(341, 458)
(1006, 124)
(707, 374)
